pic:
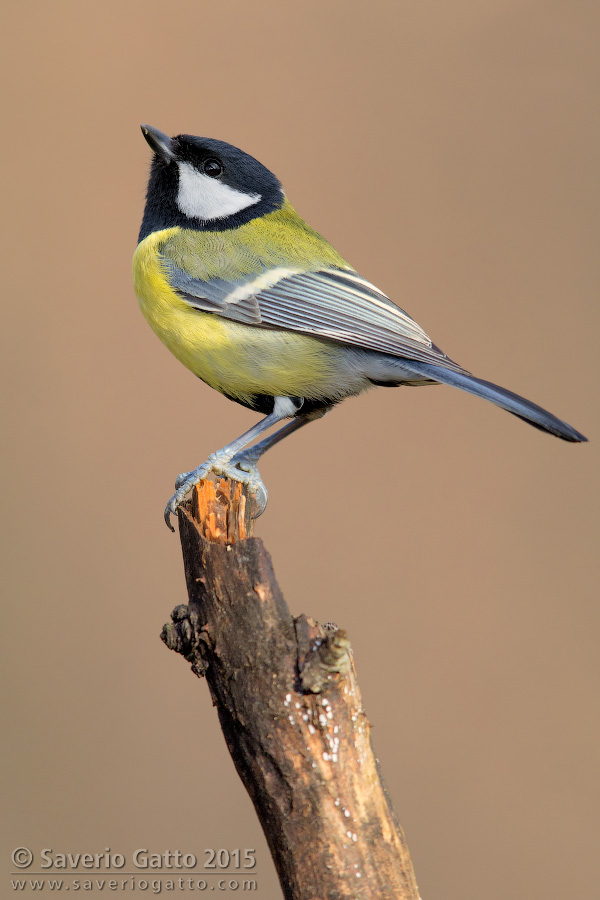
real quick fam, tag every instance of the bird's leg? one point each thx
(220, 461)
(246, 460)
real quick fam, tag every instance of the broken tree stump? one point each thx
(289, 705)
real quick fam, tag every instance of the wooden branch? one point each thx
(290, 709)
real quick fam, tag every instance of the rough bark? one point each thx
(290, 708)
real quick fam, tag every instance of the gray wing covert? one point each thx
(216, 296)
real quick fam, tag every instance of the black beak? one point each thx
(160, 143)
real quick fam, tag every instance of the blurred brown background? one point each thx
(450, 152)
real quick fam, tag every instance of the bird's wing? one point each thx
(336, 304)
(341, 305)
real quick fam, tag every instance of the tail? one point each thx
(518, 406)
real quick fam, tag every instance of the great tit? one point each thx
(263, 309)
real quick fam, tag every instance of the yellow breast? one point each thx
(238, 360)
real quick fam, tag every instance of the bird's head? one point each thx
(204, 184)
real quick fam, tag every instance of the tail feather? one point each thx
(518, 406)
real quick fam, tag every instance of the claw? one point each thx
(168, 513)
(262, 498)
(183, 488)
(245, 462)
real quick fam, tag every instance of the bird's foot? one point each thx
(241, 467)
(244, 464)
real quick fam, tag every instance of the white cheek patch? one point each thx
(204, 197)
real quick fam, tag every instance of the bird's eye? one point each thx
(212, 167)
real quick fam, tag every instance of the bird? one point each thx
(262, 308)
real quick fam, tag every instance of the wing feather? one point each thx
(336, 304)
